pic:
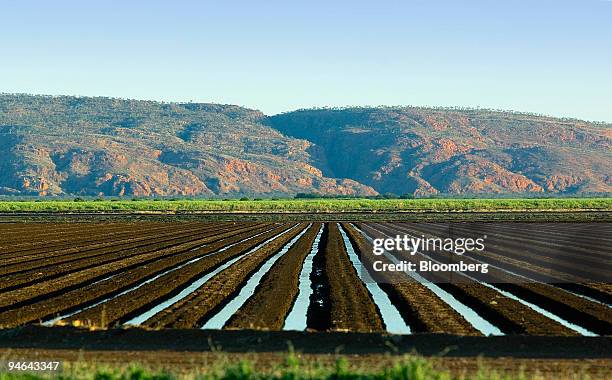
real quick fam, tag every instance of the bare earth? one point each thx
(189, 349)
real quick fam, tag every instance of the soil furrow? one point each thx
(582, 312)
(90, 294)
(54, 242)
(529, 271)
(351, 305)
(577, 234)
(203, 303)
(550, 259)
(509, 315)
(70, 281)
(421, 309)
(36, 276)
(551, 252)
(73, 256)
(102, 239)
(129, 305)
(276, 293)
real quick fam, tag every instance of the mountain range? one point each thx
(82, 146)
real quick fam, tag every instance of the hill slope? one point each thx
(425, 151)
(101, 146)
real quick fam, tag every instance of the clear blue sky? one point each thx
(546, 56)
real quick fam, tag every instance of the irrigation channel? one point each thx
(476, 283)
(295, 276)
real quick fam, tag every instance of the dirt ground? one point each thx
(189, 350)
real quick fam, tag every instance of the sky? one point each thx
(546, 56)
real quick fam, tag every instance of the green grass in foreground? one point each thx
(407, 368)
(310, 206)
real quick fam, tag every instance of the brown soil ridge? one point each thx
(500, 256)
(69, 281)
(84, 235)
(510, 316)
(420, 308)
(137, 301)
(108, 244)
(12, 240)
(568, 260)
(201, 305)
(275, 295)
(68, 273)
(83, 295)
(195, 340)
(583, 312)
(351, 305)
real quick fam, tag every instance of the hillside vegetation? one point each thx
(101, 146)
(427, 151)
(64, 146)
